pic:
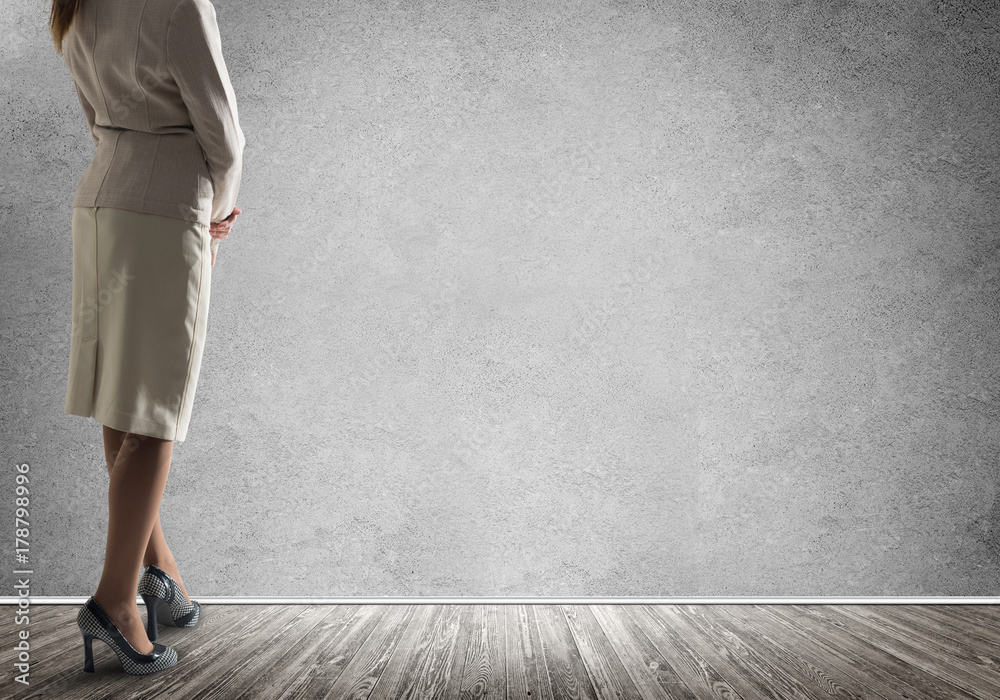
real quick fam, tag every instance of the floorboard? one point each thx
(534, 652)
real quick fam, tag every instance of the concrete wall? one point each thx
(556, 299)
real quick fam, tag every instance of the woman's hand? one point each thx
(221, 229)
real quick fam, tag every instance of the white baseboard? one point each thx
(277, 600)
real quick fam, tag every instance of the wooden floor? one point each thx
(536, 652)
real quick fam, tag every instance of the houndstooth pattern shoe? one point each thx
(165, 602)
(94, 622)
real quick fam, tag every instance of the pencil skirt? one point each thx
(141, 286)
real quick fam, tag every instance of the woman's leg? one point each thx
(157, 551)
(137, 480)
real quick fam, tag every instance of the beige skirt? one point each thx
(141, 286)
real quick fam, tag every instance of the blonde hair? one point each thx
(61, 18)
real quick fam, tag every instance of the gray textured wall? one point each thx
(561, 299)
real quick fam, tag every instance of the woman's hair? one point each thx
(60, 19)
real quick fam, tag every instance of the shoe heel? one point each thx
(88, 652)
(172, 607)
(152, 604)
(94, 622)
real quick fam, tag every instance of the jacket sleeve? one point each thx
(88, 112)
(194, 59)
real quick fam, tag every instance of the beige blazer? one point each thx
(156, 95)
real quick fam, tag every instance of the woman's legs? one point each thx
(138, 477)
(157, 551)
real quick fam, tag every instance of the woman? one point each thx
(148, 213)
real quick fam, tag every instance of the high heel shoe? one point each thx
(94, 622)
(165, 602)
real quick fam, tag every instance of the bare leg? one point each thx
(157, 551)
(137, 480)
